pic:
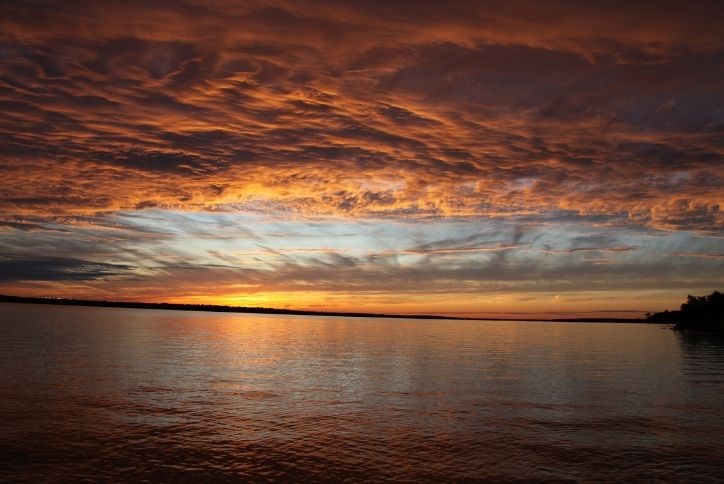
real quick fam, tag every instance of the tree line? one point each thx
(701, 313)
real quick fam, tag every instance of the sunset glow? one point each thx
(399, 157)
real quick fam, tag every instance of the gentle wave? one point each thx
(120, 395)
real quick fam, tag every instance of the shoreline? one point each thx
(291, 312)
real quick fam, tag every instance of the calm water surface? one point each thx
(124, 394)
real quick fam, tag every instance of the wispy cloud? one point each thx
(698, 255)
(589, 249)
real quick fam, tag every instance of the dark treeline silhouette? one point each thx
(699, 313)
(201, 307)
(261, 310)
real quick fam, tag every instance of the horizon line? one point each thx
(267, 310)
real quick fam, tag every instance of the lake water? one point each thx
(125, 394)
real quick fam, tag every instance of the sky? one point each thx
(500, 158)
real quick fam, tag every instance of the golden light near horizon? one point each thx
(535, 159)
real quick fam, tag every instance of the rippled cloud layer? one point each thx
(434, 124)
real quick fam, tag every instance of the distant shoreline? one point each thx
(292, 312)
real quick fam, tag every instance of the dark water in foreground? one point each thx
(127, 394)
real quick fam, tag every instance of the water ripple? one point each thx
(128, 395)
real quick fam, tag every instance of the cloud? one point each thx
(216, 254)
(461, 112)
(698, 255)
(458, 250)
(14, 269)
(20, 226)
(590, 249)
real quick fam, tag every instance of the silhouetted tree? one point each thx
(701, 313)
(667, 317)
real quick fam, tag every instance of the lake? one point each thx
(130, 394)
